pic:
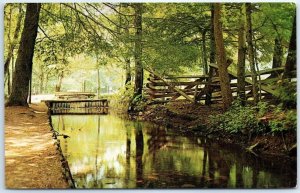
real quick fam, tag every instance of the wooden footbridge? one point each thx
(76, 103)
(162, 89)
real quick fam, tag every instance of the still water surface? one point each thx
(105, 151)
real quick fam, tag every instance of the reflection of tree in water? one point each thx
(128, 150)
(97, 148)
(139, 141)
(157, 139)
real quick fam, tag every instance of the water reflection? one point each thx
(110, 152)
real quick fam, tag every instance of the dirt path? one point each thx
(31, 158)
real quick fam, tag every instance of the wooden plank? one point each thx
(248, 80)
(182, 76)
(75, 100)
(153, 84)
(163, 91)
(267, 71)
(159, 95)
(173, 87)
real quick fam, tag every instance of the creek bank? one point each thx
(32, 157)
(192, 119)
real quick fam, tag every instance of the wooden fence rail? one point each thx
(162, 89)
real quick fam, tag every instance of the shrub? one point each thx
(288, 94)
(285, 121)
(122, 99)
(238, 119)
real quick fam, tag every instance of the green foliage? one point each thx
(238, 119)
(262, 108)
(286, 121)
(288, 94)
(122, 100)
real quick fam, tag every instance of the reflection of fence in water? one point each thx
(79, 107)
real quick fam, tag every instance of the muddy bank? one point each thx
(32, 159)
(192, 119)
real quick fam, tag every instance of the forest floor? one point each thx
(193, 119)
(31, 158)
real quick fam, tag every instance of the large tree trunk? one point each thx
(241, 57)
(139, 72)
(23, 69)
(277, 56)
(14, 41)
(251, 52)
(290, 64)
(221, 58)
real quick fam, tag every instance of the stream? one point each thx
(106, 151)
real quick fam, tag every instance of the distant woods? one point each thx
(42, 42)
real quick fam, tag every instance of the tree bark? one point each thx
(212, 58)
(241, 57)
(290, 64)
(23, 69)
(251, 52)
(139, 72)
(221, 58)
(127, 63)
(204, 54)
(14, 41)
(41, 90)
(59, 82)
(277, 57)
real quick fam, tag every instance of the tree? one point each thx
(212, 56)
(241, 56)
(139, 72)
(21, 78)
(249, 36)
(13, 43)
(290, 64)
(277, 56)
(221, 58)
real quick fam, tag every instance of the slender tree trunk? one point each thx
(127, 63)
(59, 82)
(13, 43)
(241, 57)
(290, 64)
(212, 57)
(41, 83)
(128, 72)
(251, 52)
(277, 57)
(23, 69)
(98, 84)
(139, 72)
(204, 54)
(221, 58)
